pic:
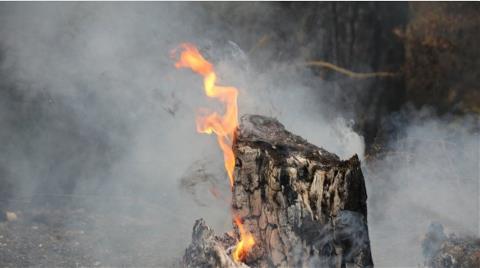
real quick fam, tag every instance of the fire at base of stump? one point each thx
(303, 205)
(209, 250)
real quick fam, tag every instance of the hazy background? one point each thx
(93, 114)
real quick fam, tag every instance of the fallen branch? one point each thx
(355, 75)
(264, 39)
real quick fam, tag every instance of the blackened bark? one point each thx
(303, 205)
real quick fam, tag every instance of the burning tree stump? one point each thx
(303, 205)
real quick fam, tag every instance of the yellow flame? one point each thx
(246, 242)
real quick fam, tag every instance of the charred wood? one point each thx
(442, 251)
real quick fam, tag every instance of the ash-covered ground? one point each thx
(75, 236)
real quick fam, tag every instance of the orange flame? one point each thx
(222, 125)
(246, 242)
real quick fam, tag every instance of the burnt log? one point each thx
(304, 206)
(442, 251)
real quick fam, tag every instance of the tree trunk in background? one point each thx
(361, 37)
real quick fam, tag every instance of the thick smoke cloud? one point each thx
(92, 106)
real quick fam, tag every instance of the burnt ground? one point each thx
(74, 236)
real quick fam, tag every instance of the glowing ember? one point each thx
(246, 242)
(222, 125)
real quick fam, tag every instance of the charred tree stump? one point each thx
(304, 206)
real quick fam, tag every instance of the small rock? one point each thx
(11, 216)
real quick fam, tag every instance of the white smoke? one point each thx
(430, 174)
(103, 106)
